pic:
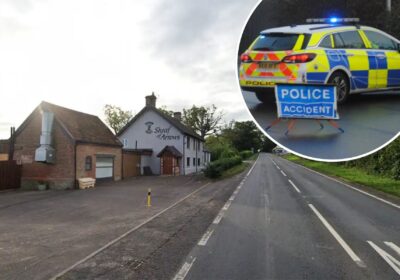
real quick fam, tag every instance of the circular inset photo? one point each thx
(323, 82)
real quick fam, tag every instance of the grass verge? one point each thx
(351, 175)
(234, 170)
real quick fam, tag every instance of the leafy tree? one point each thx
(166, 111)
(116, 118)
(204, 120)
(243, 135)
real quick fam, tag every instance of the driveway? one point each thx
(42, 233)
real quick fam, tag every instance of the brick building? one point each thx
(59, 145)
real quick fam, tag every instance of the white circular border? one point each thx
(272, 139)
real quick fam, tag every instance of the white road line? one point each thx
(184, 270)
(395, 264)
(206, 236)
(351, 187)
(251, 169)
(218, 218)
(393, 246)
(226, 206)
(339, 239)
(125, 234)
(283, 173)
(236, 191)
(278, 167)
(232, 197)
(294, 186)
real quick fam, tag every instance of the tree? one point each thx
(204, 120)
(164, 109)
(243, 135)
(116, 118)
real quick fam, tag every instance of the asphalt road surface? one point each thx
(369, 121)
(286, 222)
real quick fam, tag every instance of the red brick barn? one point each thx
(58, 146)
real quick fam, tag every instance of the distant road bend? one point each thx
(287, 222)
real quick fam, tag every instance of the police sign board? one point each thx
(317, 101)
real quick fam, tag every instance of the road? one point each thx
(369, 121)
(286, 222)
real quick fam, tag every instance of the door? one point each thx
(385, 52)
(104, 167)
(167, 165)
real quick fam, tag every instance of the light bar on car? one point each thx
(333, 20)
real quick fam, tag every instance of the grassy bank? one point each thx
(234, 170)
(351, 174)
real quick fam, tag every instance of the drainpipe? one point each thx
(184, 158)
(11, 144)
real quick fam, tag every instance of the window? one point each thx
(275, 42)
(326, 42)
(125, 142)
(337, 40)
(351, 40)
(88, 163)
(380, 41)
(188, 142)
(194, 161)
(198, 162)
(188, 161)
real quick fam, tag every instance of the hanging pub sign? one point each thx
(306, 101)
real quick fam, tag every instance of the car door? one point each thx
(387, 59)
(354, 51)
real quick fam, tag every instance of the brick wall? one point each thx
(59, 175)
(84, 150)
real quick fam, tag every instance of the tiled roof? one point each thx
(81, 127)
(175, 122)
(171, 149)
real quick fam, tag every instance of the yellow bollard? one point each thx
(149, 197)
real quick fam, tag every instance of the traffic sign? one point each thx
(306, 101)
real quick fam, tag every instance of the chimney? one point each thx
(178, 116)
(151, 100)
(46, 153)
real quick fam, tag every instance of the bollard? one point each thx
(149, 197)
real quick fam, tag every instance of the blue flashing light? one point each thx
(333, 20)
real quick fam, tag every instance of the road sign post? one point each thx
(306, 101)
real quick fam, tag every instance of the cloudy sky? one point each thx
(83, 54)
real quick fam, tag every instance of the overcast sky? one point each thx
(83, 54)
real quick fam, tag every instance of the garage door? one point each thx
(104, 167)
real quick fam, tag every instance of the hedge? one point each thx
(215, 168)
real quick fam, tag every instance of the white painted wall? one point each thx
(161, 134)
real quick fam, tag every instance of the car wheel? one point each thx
(266, 96)
(342, 86)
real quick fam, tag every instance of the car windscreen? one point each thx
(275, 42)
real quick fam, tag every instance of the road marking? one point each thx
(393, 246)
(125, 234)
(251, 169)
(218, 218)
(278, 167)
(206, 236)
(283, 173)
(236, 191)
(339, 239)
(184, 270)
(294, 186)
(232, 197)
(226, 206)
(395, 264)
(351, 187)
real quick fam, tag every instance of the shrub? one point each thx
(215, 168)
(246, 154)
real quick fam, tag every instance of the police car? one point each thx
(335, 50)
